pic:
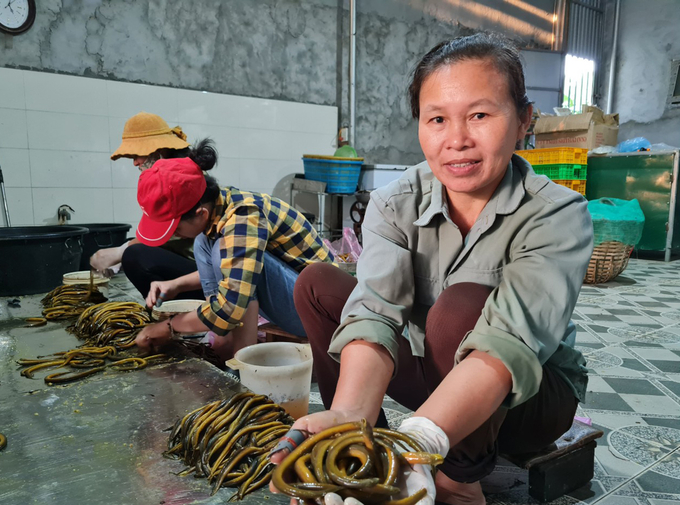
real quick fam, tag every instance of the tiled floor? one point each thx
(629, 331)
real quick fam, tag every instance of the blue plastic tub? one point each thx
(340, 176)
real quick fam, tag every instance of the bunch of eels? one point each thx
(352, 460)
(68, 301)
(84, 362)
(228, 441)
(111, 324)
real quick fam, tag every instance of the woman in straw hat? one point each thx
(146, 139)
(249, 247)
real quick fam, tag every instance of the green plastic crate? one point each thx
(563, 171)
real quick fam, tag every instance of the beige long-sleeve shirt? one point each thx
(531, 243)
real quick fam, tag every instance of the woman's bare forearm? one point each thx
(365, 372)
(188, 322)
(188, 282)
(468, 395)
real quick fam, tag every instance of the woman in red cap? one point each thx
(249, 249)
(146, 139)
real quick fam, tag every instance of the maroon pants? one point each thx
(320, 294)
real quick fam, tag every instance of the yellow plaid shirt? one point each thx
(246, 225)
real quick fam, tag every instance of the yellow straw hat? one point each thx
(145, 133)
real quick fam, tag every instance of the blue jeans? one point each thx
(273, 291)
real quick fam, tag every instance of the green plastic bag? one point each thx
(617, 220)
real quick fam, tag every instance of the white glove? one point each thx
(334, 499)
(434, 440)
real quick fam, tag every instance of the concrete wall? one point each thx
(292, 50)
(394, 35)
(648, 40)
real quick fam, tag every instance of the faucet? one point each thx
(64, 213)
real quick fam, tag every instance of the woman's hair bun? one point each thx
(204, 154)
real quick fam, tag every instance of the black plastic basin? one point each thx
(33, 259)
(101, 236)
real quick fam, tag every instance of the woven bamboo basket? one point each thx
(609, 259)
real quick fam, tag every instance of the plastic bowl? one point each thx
(172, 307)
(83, 277)
(345, 152)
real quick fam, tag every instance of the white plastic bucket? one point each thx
(280, 370)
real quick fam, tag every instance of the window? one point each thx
(674, 88)
(584, 54)
(579, 82)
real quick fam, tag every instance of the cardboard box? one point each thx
(588, 130)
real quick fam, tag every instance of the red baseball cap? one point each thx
(165, 192)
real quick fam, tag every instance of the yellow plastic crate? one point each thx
(576, 185)
(555, 155)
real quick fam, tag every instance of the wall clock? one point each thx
(16, 16)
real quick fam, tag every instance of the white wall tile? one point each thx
(124, 174)
(263, 175)
(65, 93)
(228, 110)
(302, 117)
(58, 151)
(20, 203)
(310, 143)
(15, 167)
(12, 94)
(70, 169)
(125, 207)
(226, 138)
(13, 128)
(278, 145)
(199, 107)
(254, 112)
(67, 132)
(227, 172)
(91, 205)
(116, 125)
(127, 99)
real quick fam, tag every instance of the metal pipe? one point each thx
(558, 25)
(612, 60)
(578, 42)
(4, 198)
(566, 29)
(587, 34)
(574, 42)
(352, 70)
(594, 17)
(671, 208)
